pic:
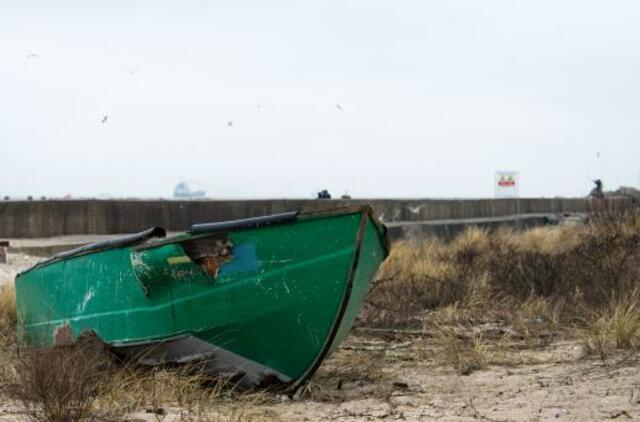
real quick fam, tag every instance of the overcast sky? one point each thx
(435, 96)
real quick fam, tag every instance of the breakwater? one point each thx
(48, 218)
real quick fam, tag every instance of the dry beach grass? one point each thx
(551, 281)
(504, 325)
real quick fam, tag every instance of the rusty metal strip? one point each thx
(245, 223)
(301, 216)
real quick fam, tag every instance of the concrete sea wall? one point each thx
(48, 218)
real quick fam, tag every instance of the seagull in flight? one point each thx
(338, 106)
(32, 56)
(104, 119)
(133, 72)
(230, 123)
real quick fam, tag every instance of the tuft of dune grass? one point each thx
(616, 326)
(7, 336)
(464, 354)
(7, 313)
(128, 389)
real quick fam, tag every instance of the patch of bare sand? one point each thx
(549, 383)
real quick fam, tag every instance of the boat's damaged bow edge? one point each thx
(211, 359)
(298, 386)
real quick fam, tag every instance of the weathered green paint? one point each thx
(287, 293)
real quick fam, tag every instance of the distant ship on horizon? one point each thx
(182, 190)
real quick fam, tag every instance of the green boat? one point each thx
(263, 300)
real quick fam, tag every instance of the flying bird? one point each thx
(338, 106)
(230, 123)
(133, 72)
(32, 56)
(104, 119)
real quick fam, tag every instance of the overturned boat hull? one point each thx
(263, 300)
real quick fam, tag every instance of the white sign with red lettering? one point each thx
(507, 184)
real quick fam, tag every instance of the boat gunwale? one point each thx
(125, 241)
(149, 242)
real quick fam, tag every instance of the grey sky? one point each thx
(435, 96)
